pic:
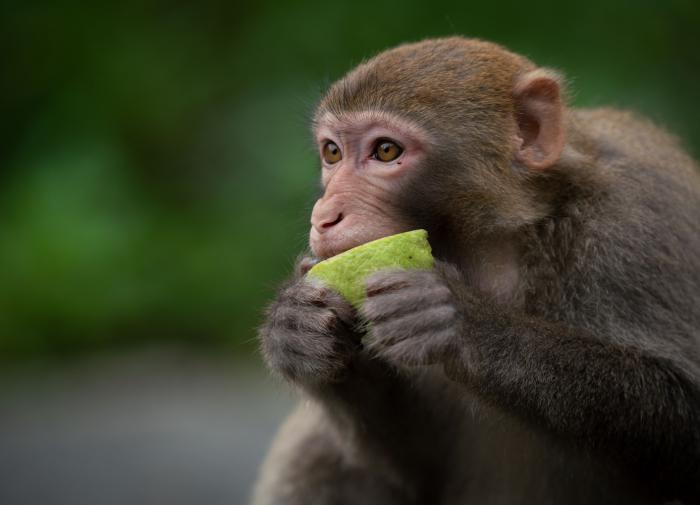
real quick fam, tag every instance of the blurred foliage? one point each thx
(156, 171)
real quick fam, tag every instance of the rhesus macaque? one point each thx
(552, 356)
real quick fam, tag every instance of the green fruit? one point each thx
(346, 272)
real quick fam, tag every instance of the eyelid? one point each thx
(380, 140)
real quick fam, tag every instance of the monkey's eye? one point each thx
(331, 153)
(386, 151)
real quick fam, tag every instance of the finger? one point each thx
(309, 292)
(414, 298)
(305, 319)
(422, 350)
(434, 319)
(391, 280)
(319, 294)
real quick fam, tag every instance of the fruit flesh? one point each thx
(347, 272)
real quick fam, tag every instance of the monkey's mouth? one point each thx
(329, 244)
(348, 233)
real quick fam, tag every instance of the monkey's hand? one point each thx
(308, 335)
(412, 316)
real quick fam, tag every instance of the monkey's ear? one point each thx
(540, 119)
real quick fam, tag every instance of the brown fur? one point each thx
(553, 355)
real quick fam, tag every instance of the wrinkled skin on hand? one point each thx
(409, 318)
(412, 316)
(308, 337)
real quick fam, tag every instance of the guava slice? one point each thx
(346, 272)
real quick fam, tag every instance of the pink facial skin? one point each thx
(359, 201)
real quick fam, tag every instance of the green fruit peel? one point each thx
(347, 272)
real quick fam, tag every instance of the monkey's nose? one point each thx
(324, 223)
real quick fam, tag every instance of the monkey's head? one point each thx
(450, 135)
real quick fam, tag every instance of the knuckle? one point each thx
(321, 295)
(387, 275)
(312, 288)
(345, 313)
(301, 321)
(334, 299)
(375, 311)
(326, 321)
(377, 276)
(442, 291)
(294, 292)
(368, 309)
(312, 292)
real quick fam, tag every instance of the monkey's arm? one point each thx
(309, 339)
(641, 408)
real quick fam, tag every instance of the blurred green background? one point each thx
(156, 173)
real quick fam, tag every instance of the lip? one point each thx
(350, 232)
(341, 237)
(330, 243)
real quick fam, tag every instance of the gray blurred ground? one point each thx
(156, 427)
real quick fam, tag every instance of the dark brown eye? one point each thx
(386, 151)
(331, 153)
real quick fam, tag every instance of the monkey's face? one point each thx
(435, 136)
(366, 157)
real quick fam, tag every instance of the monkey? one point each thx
(551, 356)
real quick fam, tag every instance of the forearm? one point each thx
(380, 409)
(637, 407)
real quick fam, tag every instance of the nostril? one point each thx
(334, 222)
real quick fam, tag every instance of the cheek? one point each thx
(390, 177)
(374, 197)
